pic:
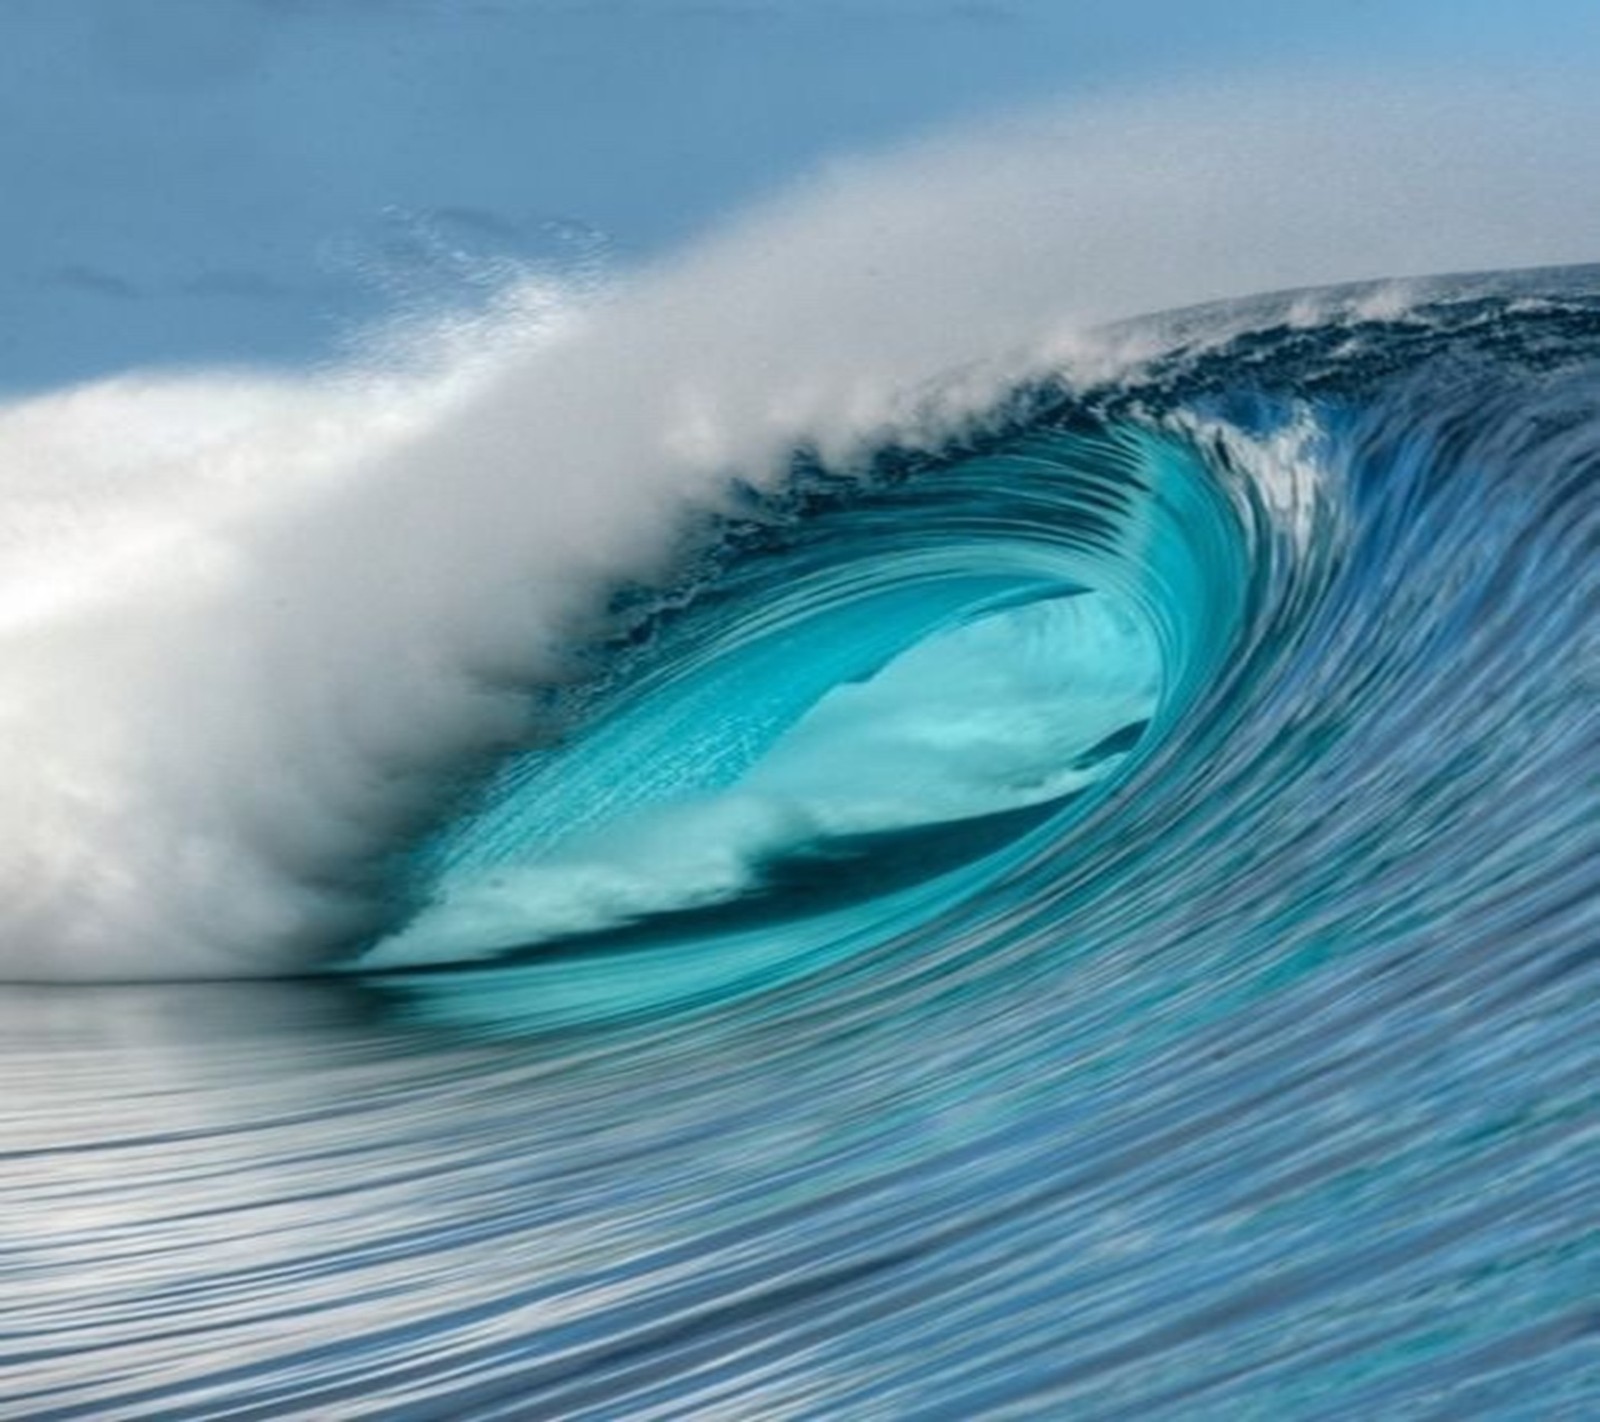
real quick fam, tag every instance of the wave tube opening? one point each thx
(875, 698)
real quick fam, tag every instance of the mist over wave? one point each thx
(263, 631)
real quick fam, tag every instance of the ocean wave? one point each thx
(319, 603)
(836, 859)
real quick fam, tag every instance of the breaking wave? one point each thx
(861, 844)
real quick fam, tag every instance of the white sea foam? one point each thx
(247, 624)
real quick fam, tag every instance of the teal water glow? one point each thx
(860, 722)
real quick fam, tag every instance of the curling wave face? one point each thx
(876, 693)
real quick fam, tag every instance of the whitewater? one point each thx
(973, 797)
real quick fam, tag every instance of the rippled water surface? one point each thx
(1096, 919)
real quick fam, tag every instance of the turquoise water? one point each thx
(889, 695)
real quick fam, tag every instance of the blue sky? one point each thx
(196, 180)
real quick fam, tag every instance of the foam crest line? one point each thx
(255, 630)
